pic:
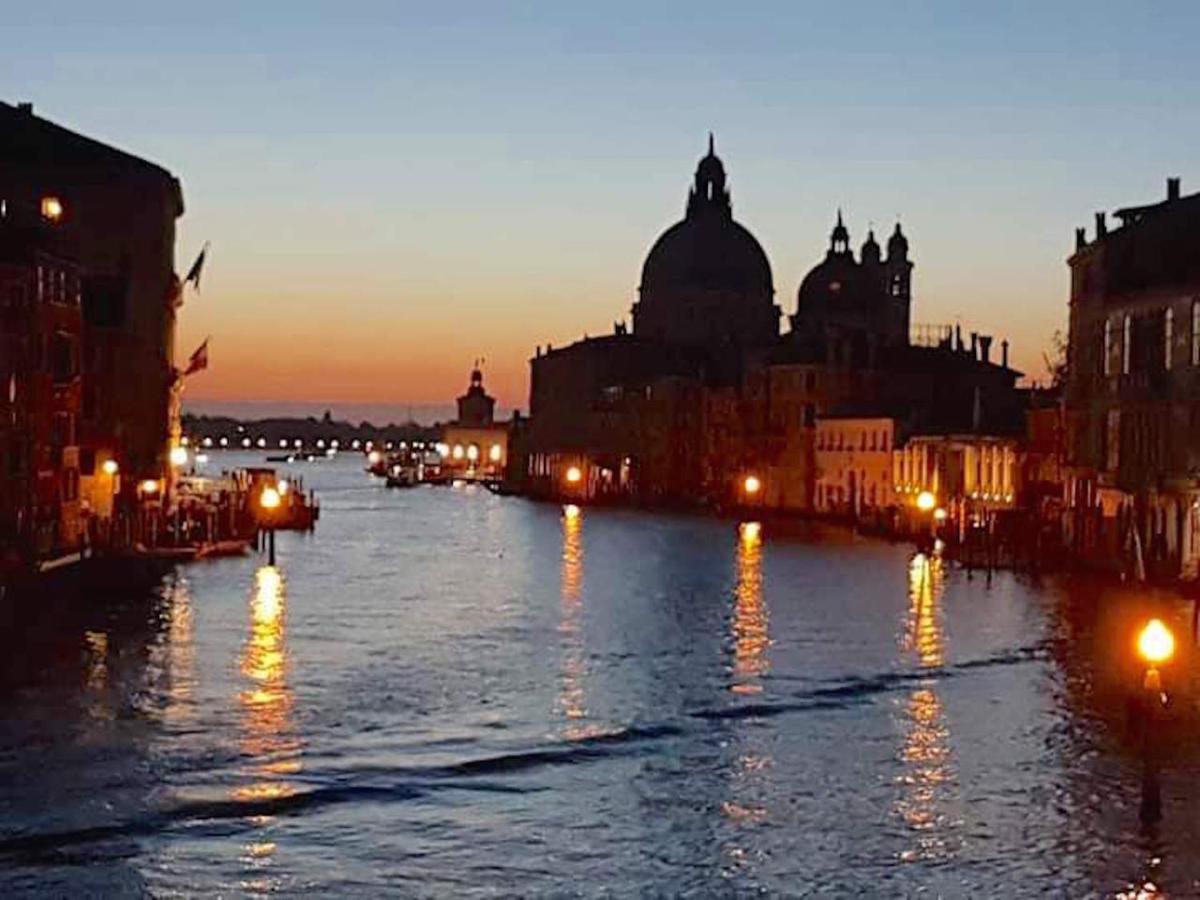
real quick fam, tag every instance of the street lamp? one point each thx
(574, 475)
(179, 456)
(1156, 646)
(752, 485)
(110, 467)
(926, 501)
(268, 500)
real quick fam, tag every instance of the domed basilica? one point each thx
(706, 280)
(704, 389)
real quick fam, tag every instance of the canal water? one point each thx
(446, 692)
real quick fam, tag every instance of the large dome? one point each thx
(707, 280)
(707, 251)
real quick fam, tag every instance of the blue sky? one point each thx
(393, 189)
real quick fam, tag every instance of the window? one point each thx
(1196, 332)
(1106, 359)
(1126, 344)
(1168, 336)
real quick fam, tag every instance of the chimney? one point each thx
(25, 107)
(1080, 238)
(985, 347)
(974, 345)
(1101, 226)
(1172, 189)
(1004, 353)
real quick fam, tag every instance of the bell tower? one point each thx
(898, 274)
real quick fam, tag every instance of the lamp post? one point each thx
(573, 478)
(1156, 646)
(268, 500)
(751, 488)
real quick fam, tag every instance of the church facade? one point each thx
(705, 395)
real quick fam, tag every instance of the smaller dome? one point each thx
(897, 244)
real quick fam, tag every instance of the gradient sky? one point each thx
(394, 189)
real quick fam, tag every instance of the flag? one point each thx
(198, 360)
(193, 274)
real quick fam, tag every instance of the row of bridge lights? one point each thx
(261, 443)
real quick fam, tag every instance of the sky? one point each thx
(392, 190)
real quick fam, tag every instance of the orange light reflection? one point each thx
(267, 702)
(925, 754)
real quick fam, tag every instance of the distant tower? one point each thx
(898, 272)
(476, 407)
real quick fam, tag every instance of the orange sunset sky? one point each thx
(399, 189)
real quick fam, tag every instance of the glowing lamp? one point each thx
(269, 498)
(940, 514)
(1155, 643)
(752, 485)
(472, 453)
(750, 531)
(571, 511)
(494, 453)
(574, 476)
(374, 457)
(282, 486)
(179, 456)
(457, 452)
(110, 467)
(52, 209)
(926, 501)
(150, 486)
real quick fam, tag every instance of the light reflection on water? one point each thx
(750, 637)
(572, 699)
(928, 773)
(268, 737)
(459, 692)
(749, 768)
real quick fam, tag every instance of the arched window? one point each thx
(1168, 336)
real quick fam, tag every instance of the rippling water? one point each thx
(447, 692)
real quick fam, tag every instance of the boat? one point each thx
(402, 476)
(217, 549)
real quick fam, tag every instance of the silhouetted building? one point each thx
(475, 446)
(476, 406)
(856, 306)
(116, 215)
(1133, 389)
(705, 397)
(706, 281)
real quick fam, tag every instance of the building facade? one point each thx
(117, 217)
(475, 446)
(41, 326)
(103, 298)
(1133, 386)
